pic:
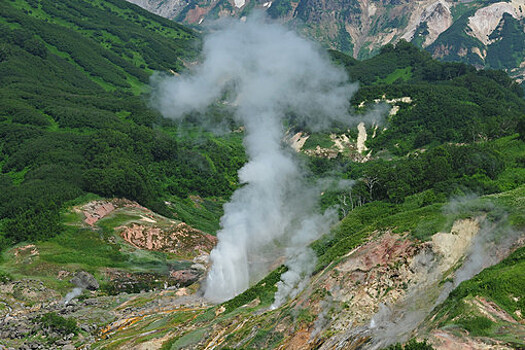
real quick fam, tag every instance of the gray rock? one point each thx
(85, 280)
(68, 347)
(86, 328)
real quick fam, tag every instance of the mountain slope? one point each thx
(484, 33)
(75, 134)
(72, 123)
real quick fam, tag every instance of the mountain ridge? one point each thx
(464, 31)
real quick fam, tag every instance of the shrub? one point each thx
(58, 323)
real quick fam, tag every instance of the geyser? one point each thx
(267, 72)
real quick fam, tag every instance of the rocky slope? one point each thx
(387, 287)
(487, 34)
(48, 284)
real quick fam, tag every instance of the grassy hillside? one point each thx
(503, 285)
(72, 122)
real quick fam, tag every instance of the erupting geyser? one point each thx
(266, 71)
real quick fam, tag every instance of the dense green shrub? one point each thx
(58, 323)
(413, 344)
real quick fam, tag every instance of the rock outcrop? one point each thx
(178, 238)
(85, 280)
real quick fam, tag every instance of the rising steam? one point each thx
(267, 73)
(396, 323)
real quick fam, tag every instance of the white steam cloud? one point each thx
(77, 291)
(397, 323)
(267, 72)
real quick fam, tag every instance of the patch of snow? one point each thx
(267, 4)
(371, 9)
(361, 138)
(297, 141)
(239, 3)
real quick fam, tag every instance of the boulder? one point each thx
(85, 280)
(185, 277)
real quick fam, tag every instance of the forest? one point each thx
(79, 120)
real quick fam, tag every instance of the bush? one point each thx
(5, 277)
(413, 344)
(58, 323)
(476, 326)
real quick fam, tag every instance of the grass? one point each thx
(321, 140)
(203, 216)
(110, 222)
(188, 339)
(84, 249)
(264, 290)
(18, 176)
(477, 325)
(403, 74)
(503, 284)
(514, 204)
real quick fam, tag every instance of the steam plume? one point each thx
(397, 323)
(72, 295)
(267, 72)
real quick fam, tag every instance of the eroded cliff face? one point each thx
(468, 31)
(436, 17)
(168, 9)
(487, 19)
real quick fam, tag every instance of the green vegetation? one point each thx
(71, 124)
(59, 324)
(5, 277)
(413, 344)
(503, 284)
(399, 75)
(187, 339)
(201, 213)
(279, 8)
(508, 51)
(344, 41)
(321, 140)
(264, 290)
(476, 326)
(76, 127)
(452, 102)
